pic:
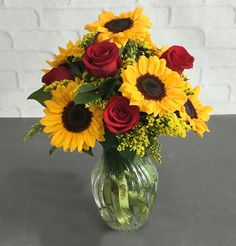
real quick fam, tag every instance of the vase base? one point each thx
(124, 190)
(126, 228)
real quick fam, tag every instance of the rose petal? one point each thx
(119, 116)
(102, 59)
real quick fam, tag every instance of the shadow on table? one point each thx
(48, 208)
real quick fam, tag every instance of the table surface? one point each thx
(47, 201)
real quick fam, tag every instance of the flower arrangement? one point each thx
(116, 87)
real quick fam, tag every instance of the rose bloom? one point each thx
(177, 59)
(57, 74)
(119, 116)
(102, 59)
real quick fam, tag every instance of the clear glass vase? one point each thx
(124, 189)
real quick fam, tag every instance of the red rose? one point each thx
(57, 74)
(177, 58)
(119, 116)
(102, 59)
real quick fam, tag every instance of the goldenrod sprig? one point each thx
(88, 39)
(135, 140)
(133, 50)
(169, 124)
(55, 84)
(154, 149)
(36, 128)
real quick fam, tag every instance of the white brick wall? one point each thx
(31, 29)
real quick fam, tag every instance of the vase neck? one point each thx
(111, 154)
(113, 159)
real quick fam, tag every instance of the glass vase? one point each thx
(124, 189)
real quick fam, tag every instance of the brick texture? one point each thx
(30, 79)
(73, 19)
(216, 94)
(187, 37)
(10, 60)
(221, 2)
(31, 29)
(205, 17)
(18, 19)
(103, 3)
(222, 37)
(49, 40)
(172, 2)
(8, 80)
(36, 3)
(5, 41)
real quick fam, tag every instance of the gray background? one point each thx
(47, 201)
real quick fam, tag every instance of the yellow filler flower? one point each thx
(153, 87)
(71, 126)
(196, 113)
(119, 29)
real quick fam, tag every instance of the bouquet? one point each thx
(118, 88)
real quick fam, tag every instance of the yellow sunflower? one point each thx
(196, 113)
(153, 87)
(71, 126)
(70, 50)
(119, 29)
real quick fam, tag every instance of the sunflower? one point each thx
(70, 50)
(71, 126)
(196, 113)
(119, 29)
(152, 86)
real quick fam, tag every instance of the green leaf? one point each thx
(51, 151)
(86, 97)
(111, 141)
(86, 87)
(89, 152)
(41, 96)
(77, 67)
(109, 87)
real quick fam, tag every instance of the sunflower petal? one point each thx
(142, 65)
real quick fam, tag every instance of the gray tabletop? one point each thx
(47, 201)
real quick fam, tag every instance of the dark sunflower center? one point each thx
(151, 87)
(119, 25)
(190, 110)
(76, 118)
